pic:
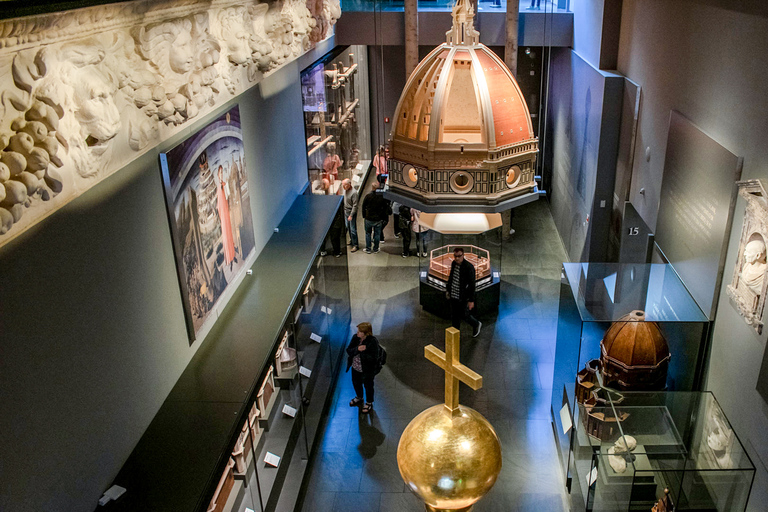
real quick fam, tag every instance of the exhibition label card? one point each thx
(271, 459)
(356, 178)
(565, 419)
(359, 167)
(289, 411)
(305, 371)
(248, 509)
(316, 337)
(423, 274)
(322, 308)
(592, 476)
(495, 275)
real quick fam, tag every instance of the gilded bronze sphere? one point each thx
(449, 461)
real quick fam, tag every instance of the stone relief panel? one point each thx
(87, 91)
(749, 285)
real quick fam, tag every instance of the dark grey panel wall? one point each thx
(708, 59)
(584, 114)
(92, 334)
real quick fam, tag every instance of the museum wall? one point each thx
(582, 130)
(707, 60)
(92, 330)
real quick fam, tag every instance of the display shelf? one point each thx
(179, 460)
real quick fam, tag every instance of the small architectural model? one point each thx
(748, 286)
(253, 422)
(286, 360)
(308, 296)
(586, 380)
(597, 423)
(634, 355)
(267, 395)
(243, 447)
(221, 494)
(664, 504)
(440, 261)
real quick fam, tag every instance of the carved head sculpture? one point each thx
(236, 37)
(168, 46)
(754, 252)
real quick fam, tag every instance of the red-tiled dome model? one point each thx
(634, 354)
(462, 133)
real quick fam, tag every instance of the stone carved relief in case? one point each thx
(748, 287)
(88, 90)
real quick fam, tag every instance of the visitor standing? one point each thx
(380, 164)
(374, 214)
(363, 359)
(350, 212)
(404, 218)
(421, 233)
(461, 292)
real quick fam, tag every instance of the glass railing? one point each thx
(445, 5)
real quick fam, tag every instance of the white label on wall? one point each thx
(322, 308)
(565, 419)
(495, 275)
(289, 411)
(271, 459)
(359, 167)
(423, 274)
(592, 476)
(305, 371)
(316, 337)
(328, 311)
(355, 178)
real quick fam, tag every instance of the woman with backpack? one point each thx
(363, 359)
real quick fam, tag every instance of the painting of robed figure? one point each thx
(207, 193)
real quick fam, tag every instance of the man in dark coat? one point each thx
(461, 292)
(363, 359)
(374, 214)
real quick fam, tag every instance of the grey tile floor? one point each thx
(356, 466)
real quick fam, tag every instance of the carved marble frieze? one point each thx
(86, 91)
(749, 285)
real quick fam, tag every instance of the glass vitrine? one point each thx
(639, 450)
(624, 328)
(336, 118)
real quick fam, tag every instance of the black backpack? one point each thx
(381, 358)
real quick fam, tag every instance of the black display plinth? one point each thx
(432, 298)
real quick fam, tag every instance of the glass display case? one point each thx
(621, 328)
(658, 451)
(336, 118)
(483, 250)
(286, 410)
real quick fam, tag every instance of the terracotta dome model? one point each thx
(462, 132)
(634, 354)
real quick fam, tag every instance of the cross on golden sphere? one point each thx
(455, 372)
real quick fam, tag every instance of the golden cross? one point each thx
(454, 370)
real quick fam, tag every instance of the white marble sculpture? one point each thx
(88, 90)
(617, 454)
(747, 290)
(754, 266)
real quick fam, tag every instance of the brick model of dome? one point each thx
(635, 355)
(462, 132)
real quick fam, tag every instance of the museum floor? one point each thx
(355, 468)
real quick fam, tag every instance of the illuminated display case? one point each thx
(665, 448)
(336, 118)
(483, 250)
(622, 329)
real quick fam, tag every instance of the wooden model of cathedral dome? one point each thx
(634, 354)
(462, 132)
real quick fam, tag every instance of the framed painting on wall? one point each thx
(207, 193)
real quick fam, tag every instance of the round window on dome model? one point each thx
(462, 182)
(410, 176)
(513, 176)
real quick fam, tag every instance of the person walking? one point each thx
(363, 359)
(374, 214)
(351, 200)
(460, 292)
(404, 219)
(421, 233)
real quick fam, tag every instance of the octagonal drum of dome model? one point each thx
(462, 137)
